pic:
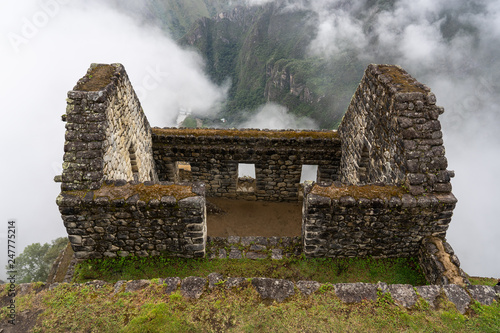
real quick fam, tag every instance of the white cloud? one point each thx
(257, 2)
(275, 116)
(338, 32)
(46, 47)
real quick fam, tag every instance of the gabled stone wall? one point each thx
(107, 134)
(278, 157)
(391, 134)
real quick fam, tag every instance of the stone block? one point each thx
(403, 294)
(171, 284)
(235, 254)
(214, 280)
(355, 292)
(255, 255)
(233, 239)
(429, 293)
(193, 287)
(276, 254)
(483, 294)
(457, 296)
(274, 289)
(235, 282)
(136, 285)
(307, 287)
(75, 239)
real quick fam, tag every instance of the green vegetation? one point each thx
(400, 270)
(189, 122)
(482, 281)
(177, 16)
(70, 308)
(34, 263)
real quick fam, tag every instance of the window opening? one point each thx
(246, 178)
(184, 171)
(309, 173)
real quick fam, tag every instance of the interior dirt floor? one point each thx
(229, 217)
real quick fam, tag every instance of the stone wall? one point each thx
(126, 218)
(107, 134)
(439, 263)
(391, 134)
(378, 221)
(278, 157)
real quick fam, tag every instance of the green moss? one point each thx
(401, 79)
(247, 133)
(333, 270)
(98, 78)
(146, 193)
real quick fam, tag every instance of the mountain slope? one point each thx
(263, 51)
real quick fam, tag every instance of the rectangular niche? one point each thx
(183, 171)
(309, 173)
(133, 162)
(246, 178)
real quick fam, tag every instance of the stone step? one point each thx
(253, 247)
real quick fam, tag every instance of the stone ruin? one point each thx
(382, 187)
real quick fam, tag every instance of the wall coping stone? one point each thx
(132, 192)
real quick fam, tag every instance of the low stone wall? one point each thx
(378, 221)
(404, 295)
(107, 134)
(391, 133)
(278, 157)
(123, 218)
(439, 263)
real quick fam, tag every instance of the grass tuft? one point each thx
(323, 270)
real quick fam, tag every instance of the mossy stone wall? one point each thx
(372, 225)
(165, 220)
(278, 157)
(107, 134)
(391, 134)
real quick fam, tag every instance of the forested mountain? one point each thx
(310, 55)
(264, 52)
(174, 16)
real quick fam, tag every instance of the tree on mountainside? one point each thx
(34, 263)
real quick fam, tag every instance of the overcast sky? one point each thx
(47, 45)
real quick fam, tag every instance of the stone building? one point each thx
(382, 187)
